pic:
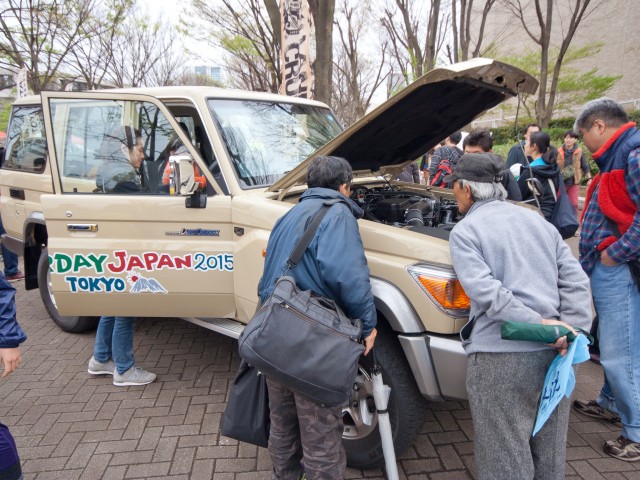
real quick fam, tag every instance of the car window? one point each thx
(26, 145)
(265, 140)
(113, 146)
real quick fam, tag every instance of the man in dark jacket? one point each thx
(11, 336)
(480, 141)
(333, 266)
(516, 153)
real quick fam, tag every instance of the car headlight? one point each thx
(443, 288)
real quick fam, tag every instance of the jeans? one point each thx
(617, 302)
(9, 258)
(114, 340)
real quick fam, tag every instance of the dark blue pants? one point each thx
(9, 459)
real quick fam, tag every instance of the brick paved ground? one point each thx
(69, 425)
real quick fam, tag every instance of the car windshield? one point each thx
(265, 140)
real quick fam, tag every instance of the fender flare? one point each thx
(394, 306)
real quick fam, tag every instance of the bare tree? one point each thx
(142, 53)
(92, 57)
(355, 78)
(544, 12)
(461, 24)
(415, 37)
(245, 30)
(40, 34)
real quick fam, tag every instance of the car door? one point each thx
(130, 251)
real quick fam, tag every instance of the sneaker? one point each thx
(134, 376)
(623, 449)
(592, 409)
(16, 277)
(97, 368)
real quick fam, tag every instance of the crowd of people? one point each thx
(489, 253)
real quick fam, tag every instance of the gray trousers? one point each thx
(504, 390)
(303, 430)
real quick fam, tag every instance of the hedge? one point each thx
(556, 129)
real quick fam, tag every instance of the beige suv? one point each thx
(193, 248)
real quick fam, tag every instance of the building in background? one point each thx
(6, 83)
(214, 72)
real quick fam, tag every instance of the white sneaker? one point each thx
(134, 376)
(97, 368)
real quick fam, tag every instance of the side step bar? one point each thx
(225, 326)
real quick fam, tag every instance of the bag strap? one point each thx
(553, 190)
(304, 242)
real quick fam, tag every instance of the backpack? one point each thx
(444, 168)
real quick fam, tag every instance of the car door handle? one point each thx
(82, 227)
(16, 193)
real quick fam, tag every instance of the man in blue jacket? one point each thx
(11, 336)
(335, 267)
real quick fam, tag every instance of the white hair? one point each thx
(484, 190)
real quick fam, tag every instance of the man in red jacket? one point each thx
(609, 253)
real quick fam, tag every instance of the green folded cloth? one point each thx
(531, 332)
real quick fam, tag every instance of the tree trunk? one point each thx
(322, 12)
(432, 34)
(542, 114)
(273, 9)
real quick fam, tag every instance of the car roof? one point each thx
(192, 92)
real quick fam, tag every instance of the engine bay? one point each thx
(412, 210)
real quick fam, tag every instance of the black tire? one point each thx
(68, 324)
(407, 407)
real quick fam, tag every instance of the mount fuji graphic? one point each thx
(141, 284)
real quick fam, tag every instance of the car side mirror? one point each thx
(184, 181)
(183, 175)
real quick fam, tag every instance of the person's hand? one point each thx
(10, 359)
(561, 344)
(369, 341)
(606, 260)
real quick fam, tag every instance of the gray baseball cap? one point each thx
(478, 167)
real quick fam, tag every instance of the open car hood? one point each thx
(407, 125)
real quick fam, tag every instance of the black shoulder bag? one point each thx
(303, 340)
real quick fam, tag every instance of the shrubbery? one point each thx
(556, 129)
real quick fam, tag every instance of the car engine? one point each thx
(405, 209)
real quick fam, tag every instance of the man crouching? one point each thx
(335, 267)
(508, 276)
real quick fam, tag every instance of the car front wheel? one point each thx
(407, 407)
(73, 324)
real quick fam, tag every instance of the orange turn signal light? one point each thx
(446, 291)
(264, 253)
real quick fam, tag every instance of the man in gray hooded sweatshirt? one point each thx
(509, 276)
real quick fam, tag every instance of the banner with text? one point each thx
(21, 83)
(297, 76)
